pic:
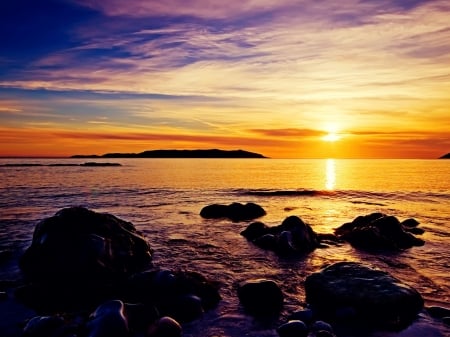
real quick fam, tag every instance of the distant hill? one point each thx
(445, 156)
(213, 153)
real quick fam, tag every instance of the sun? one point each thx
(331, 137)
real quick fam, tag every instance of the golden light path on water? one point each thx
(330, 174)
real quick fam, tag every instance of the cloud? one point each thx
(289, 132)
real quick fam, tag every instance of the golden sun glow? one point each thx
(331, 137)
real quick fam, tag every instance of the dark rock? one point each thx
(78, 257)
(108, 320)
(43, 326)
(267, 241)
(82, 245)
(446, 320)
(322, 326)
(378, 231)
(414, 230)
(410, 223)
(165, 327)
(235, 211)
(182, 295)
(306, 315)
(293, 328)
(322, 333)
(378, 298)
(261, 297)
(140, 316)
(255, 230)
(438, 312)
(292, 236)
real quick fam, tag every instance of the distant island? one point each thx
(213, 153)
(445, 156)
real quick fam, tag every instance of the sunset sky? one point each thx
(285, 78)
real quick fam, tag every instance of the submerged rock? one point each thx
(376, 297)
(261, 297)
(235, 211)
(293, 236)
(378, 231)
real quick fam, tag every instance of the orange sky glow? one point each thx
(288, 79)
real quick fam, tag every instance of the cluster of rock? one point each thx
(97, 269)
(292, 236)
(378, 231)
(80, 259)
(235, 211)
(343, 293)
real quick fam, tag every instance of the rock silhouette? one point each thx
(235, 211)
(293, 236)
(368, 295)
(378, 231)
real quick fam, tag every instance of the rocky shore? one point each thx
(89, 274)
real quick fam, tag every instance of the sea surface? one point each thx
(163, 198)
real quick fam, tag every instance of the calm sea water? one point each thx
(163, 198)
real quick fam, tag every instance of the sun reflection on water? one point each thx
(330, 174)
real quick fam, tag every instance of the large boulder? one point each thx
(378, 231)
(235, 211)
(372, 296)
(292, 236)
(79, 255)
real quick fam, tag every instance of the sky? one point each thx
(285, 78)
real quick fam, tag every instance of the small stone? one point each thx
(293, 328)
(165, 327)
(261, 297)
(305, 315)
(322, 326)
(438, 312)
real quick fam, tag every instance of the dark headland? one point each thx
(213, 153)
(445, 156)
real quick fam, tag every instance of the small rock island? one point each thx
(212, 153)
(445, 156)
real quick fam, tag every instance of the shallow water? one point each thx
(163, 198)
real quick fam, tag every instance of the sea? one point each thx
(163, 199)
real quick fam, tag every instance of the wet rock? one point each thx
(165, 327)
(182, 295)
(261, 297)
(438, 312)
(410, 223)
(78, 255)
(235, 211)
(255, 230)
(43, 326)
(108, 320)
(378, 231)
(378, 298)
(306, 315)
(293, 328)
(292, 236)
(322, 326)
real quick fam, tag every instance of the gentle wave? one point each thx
(348, 194)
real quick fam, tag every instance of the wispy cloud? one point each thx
(255, 68)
